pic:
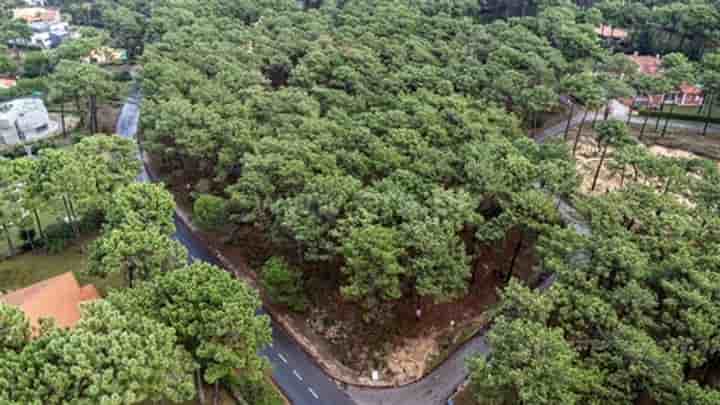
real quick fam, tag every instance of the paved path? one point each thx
(620, 112)
(302, 380)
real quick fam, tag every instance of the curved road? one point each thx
(300, 378)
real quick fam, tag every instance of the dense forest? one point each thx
(386, 144)
(376, 137)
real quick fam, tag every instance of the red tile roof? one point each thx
(6, 83)
(58, 298)
(690, 89)
(607, 31)
(649, 65)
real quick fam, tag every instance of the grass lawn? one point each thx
(694, 111)
(32, 267)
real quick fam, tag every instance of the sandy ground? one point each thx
(588, 158)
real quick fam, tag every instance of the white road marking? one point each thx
(313, 393)
(282, 358)
(299, 377)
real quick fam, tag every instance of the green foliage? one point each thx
(283, 284)
(110, 357)
(210, 212)
(7, 65)
(140, 205)
(14, 328)
(141, 251)
(213, 315)
(256, 392)
(372, 255)
(349, 132)
(36, 64)
(530, 363)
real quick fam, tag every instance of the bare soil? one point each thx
(401, 347)
(673, 145)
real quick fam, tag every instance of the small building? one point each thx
(36, 3)
(24, 120)
(58, 298)
(7, 83)
(608, 32)
(106, 56)
(38, 14)
(685, 95)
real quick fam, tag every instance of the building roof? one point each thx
(690, 89)
(58, 298)
(607, 31)
(37, 14)
(6, 82)
(647, 64)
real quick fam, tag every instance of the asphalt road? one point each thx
(293, 370)
(302, 380)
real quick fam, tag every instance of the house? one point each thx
(38, 14)
(7, 83)
(58, 298)
(24, 119)
(106, 56)
(685, 95)
(609, 32)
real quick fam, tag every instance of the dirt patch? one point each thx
(401, 346)
(588, 156)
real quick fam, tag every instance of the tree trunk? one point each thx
(216, 393)
(700, 107)
(709, 115)
(570, 118)
(579, 134)
(630, 110)
(71, 215)
(667, 121)
(199, 386)
(642, 130)
(597, 171)
(622, 177)
(62, 119)
(79, 112)
(597, 112)
(667, 185)
(11, 246)
(39, 224)
(516, 253)
(662, 108)
(131, 275)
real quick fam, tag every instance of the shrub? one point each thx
(284, 285)
(254, 392)
(210, 211)
(58, 235)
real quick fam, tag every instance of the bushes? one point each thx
(210, 211)
(260, 392)
(679, 116)
(284, 285)
(58, 235)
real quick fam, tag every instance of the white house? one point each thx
(24, 119)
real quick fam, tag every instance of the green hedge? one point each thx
(678, 116)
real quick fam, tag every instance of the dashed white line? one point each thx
(282, 358)
(299, 377)
(313, 393)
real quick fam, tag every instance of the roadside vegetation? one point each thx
(373, 166)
